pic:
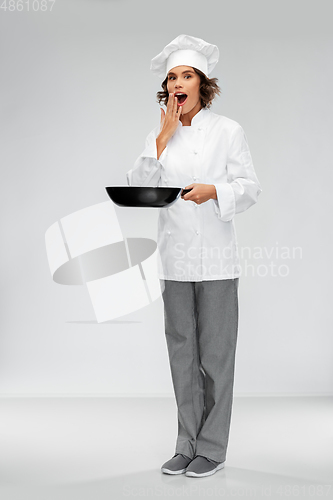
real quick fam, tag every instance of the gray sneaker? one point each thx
(203, 466)
(176, 465)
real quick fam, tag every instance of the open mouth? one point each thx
(181, 98)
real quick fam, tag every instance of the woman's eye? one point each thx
(186, 76)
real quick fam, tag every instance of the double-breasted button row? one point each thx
(195, 151)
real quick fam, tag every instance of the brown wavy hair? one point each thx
(209, 89)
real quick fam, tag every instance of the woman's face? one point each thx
(184, 80)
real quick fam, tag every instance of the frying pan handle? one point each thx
(184, 191)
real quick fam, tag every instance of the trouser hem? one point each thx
(211, 456)
(186, 452)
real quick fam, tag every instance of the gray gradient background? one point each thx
(78, 100)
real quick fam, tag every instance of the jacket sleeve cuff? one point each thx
(225, 205)
(151, 151)
(147, 167)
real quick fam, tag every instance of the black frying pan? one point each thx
(137, 196)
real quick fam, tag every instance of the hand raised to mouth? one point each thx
(170, 119)
(169, 123)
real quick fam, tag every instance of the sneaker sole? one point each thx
(169, 471)
(203, 474)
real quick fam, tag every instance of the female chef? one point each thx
(199, 269)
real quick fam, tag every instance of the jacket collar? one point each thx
(199, 118)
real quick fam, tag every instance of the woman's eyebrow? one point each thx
(188, 71)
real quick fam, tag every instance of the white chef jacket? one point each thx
(198, 242)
